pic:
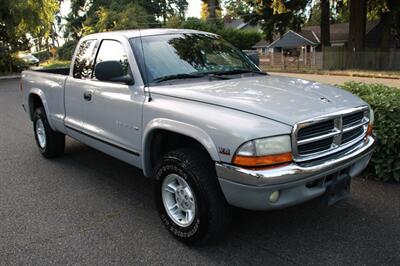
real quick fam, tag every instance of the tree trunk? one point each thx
(358, 19)
(325, 23)
(388, 20)
(212, 7)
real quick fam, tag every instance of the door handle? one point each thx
(87, 95)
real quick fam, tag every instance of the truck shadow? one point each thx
(353, 231)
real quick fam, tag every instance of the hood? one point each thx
(287, 100)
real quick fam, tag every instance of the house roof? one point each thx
(235, 23)
(293, 39)
(240, 24)
(261, 44)
(339, 33)
(309, 35)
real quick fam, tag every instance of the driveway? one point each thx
(88, 208)
(333, 79)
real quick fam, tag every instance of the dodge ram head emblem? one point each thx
(325, 100)
(224, 151)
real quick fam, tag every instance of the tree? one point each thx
(389, 13)
(315, 16)
(325, 23)
(236, 8)
(130, 16)
(89, 16)
(358, 19)
(210, 10)
(276, 16)
(22, 21)
(75, 19)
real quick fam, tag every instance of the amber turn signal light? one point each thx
(254, 161)
(369, 130)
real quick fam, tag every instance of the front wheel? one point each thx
(50, 142)
(188, 197)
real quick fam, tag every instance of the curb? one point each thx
(10, 77)
(337, 74)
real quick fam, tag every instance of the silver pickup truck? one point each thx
(204, 122)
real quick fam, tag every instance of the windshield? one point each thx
(188, 54)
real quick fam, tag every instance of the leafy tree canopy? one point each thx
(274, 16)
(89, 16)
(24, 19)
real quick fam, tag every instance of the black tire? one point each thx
(55, 141)
(213, 214)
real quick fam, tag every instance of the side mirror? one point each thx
(253, 55)
(112, 71)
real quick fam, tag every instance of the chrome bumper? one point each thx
(297, 171)
(251, 189)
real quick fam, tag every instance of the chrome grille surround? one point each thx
(335, 133)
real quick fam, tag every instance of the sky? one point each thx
(193, 8)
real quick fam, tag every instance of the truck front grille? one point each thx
(325, 135)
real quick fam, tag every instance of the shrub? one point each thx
(10, 63)
(18, 65)
(242, 39)
(385, 101)
(66, 51)
(5, 59)
(42, 55)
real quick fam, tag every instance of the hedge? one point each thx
(10, 63)
(66, 51)
(385, 101)
(242, 39)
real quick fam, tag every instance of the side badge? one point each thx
(224, 151)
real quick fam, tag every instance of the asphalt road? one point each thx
(335, 79)
(88, 208)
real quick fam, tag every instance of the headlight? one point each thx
(264, 152)
(371, 121)
(371, 116)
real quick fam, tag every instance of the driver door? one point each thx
(113, 114)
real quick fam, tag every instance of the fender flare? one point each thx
(177, 127)
(40, 93)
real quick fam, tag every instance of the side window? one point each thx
(113, 51)
(83, 65)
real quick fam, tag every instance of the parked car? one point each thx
(29, 59)
(201, 119)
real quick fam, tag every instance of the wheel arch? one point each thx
(171, 131)
(36, 99)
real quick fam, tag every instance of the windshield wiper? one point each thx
(179, 76)
(236, 71)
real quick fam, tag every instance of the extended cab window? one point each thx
(83, 65)
(111, 50)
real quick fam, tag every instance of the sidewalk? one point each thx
(337, 80)
(11, 76)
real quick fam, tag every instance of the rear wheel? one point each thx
(188, 197)
(50, 142)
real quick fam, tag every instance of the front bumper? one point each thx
(297, 182)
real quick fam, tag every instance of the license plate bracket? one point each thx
(337, 189)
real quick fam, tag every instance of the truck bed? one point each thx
(49, 82)
(61, 71)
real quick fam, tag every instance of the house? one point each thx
(308, 38)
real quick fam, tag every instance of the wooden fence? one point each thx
(368, 58)
(335, 58)
(277, 60)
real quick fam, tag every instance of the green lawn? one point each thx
(54, 64)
